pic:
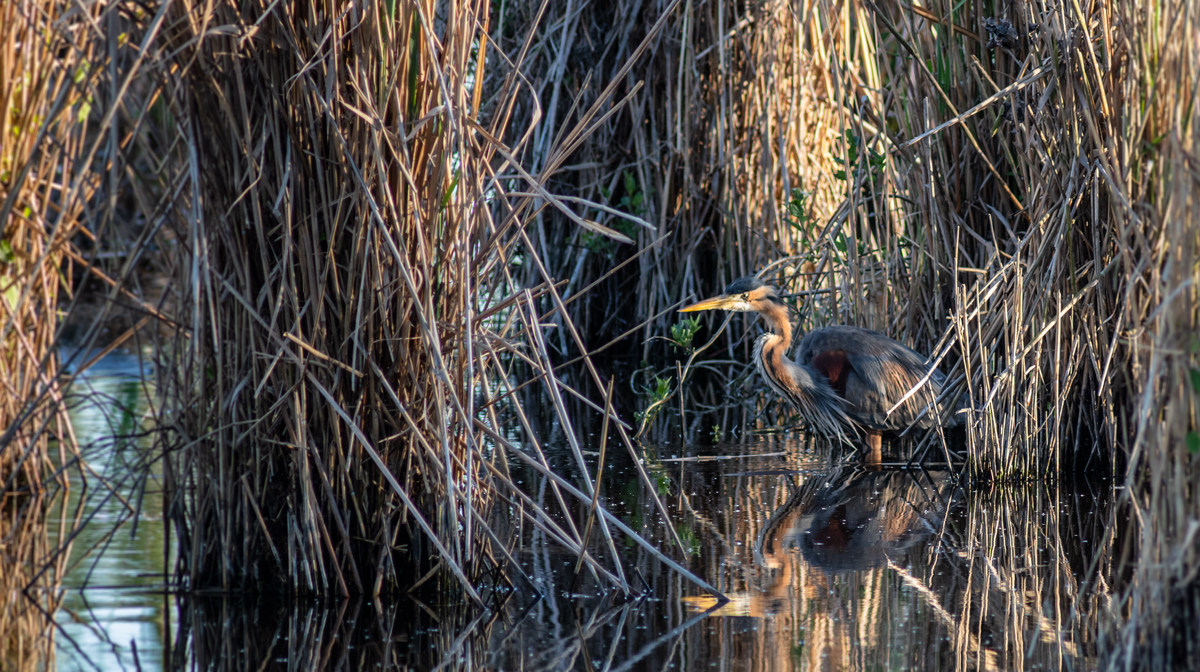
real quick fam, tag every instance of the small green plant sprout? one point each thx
(875, 160)
(718, 434)
(662, 387)
(632, 202)
(657, 394)
(800, 219)
(682, 333)
(797, 209)
(662, 482)
(7, 254)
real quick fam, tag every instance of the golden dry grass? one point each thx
(43, 100)
(67, 152)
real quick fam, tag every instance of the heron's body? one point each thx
(844, 379)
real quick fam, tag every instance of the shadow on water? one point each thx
(826, 566)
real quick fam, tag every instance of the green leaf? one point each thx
(1193, 443)
(85, 109)
(7, 255)
(683, 332)
(11, 295)
(450, 191)
(663, 387)
(663, 485)
(1196, 380)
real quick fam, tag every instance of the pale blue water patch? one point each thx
(115, 613)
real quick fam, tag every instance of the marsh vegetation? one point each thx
(405, 277)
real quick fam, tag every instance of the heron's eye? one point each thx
(745, 297)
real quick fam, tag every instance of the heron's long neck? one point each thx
(776, 344)
(772, 353)
(805, 387)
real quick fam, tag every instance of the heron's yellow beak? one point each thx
(715, 303)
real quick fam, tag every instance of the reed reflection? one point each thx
(827, 569)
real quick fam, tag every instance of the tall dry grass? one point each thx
(45, 74)
(43, 78)
(70, 148)
(984, 185)
(351, 332)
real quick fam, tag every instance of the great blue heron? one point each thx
(844, 379)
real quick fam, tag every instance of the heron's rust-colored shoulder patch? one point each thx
(836, 367)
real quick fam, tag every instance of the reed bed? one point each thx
(26, 641)
(37, 219)
(351, 333)
(385, 223)
(988, 187)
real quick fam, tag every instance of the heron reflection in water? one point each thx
(845, 379)
(846, 520)
(853, 520)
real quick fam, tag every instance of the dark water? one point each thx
(826, 566)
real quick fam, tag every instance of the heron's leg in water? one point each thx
(874, 448)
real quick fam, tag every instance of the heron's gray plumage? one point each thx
(882, 371)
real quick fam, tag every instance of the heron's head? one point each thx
(744, 295)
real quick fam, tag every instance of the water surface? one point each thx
(825, 564)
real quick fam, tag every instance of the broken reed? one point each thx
(352, 210)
